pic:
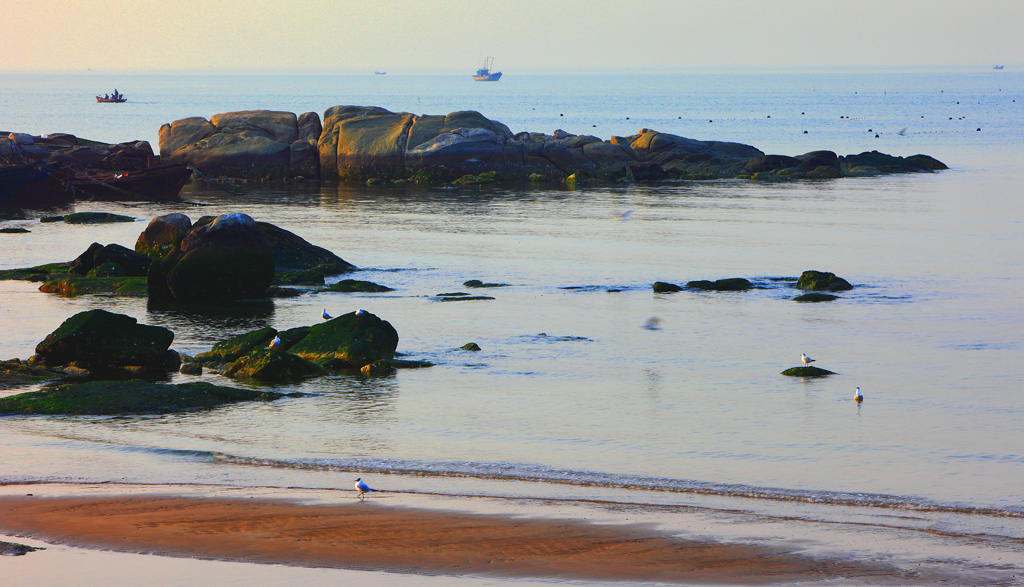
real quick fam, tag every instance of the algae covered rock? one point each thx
(349, 341)
(96, 218)
(272, 365)
(131, 263)
(470, 346)
(476, 283)
(127, 397)
(822, 281)
(807, 371)
(163, 234)
(69, 286)
(237, 346)
(99, 340)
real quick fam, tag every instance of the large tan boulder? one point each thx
(280, 127)
(371, 145)
(181, 133)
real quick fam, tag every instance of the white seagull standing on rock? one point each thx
(276, 342)
(359, 312)
(362, 487)
(325, 315)
(805, 359)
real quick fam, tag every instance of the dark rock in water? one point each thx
(460, 298)
(470, 346)
(95, 218)
(294, 253)
(815, 297)
(377, 369)
(815, 159)
(822, 281)
(409, 364)
(875, 163)
(283, 292)
(272, 365)
(14, 549)
(133, 264)
(99, 340)
(69, 286)
(770, 163)
(163, 234)
(306, 277)
(927, 162)
(128, 397)
(807, 371)
(228, 259)
(349, 341)
(193, 368)
(237, 346)
(475, 283)
(663, 287)
(47, 219)
(452, 294)
(15, 230)
(355, 285)
(730, 284)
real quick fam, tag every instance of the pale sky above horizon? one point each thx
(410, 36)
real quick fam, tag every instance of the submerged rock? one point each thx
(95, 218)
(272, 365)
(128, 397)
(476, 283)
(815, 297)
(116, 286)
(15, 549)
(470, 346)
(17, 373)
(808, 371)
(729, 284)
(664, 287)
(355, 285)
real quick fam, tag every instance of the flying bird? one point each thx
(276, 342)
(805, 359)
(325, 315)
(362, 487)
(859, 397)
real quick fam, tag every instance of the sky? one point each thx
(416, 36)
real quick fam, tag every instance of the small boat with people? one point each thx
(115, 98)
(484, 74)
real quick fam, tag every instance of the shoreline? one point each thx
(376, 537)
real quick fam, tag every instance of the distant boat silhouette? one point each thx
(380, 73)
(998, 67)
(484, 73)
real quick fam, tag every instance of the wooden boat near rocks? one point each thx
(32, 185)
(153, 184)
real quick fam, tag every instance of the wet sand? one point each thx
(372, 536)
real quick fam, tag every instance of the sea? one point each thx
(571, 404)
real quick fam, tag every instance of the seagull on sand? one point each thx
(276, 342)
(859, 397)
(805, 359)
(362, 487)
(325, 315)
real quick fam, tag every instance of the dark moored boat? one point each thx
(153, 184)
(31, 185)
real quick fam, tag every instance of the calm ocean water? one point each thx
(570, 398)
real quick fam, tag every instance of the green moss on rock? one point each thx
(476, 283)
(665, 287)
(470, 346)
(96, 218)
(729, 284)
(127, 397)
(822, 281)
(272, 365)
(74, 286)
(237, 346)
(37, 273)
(348, 341)
(99, 340)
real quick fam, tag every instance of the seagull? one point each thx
(325, 315)
(859, 397)
(276, 342)
(652, 323)
(624, 216)
(362, 487)
(805, 359)
(359, 312)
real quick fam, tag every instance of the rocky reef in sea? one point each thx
(374, 145)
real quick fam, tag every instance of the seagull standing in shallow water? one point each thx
(805, 359)
(325, 315)
(362, 487)
(859, 397)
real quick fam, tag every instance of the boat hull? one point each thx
(490, 77)
(111, 100)
(155, 184)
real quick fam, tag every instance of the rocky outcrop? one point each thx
(822, 281)
(349, 341)
(252, 144)
(112, 260)
(163, 234)
(372, 144)
(101, 341)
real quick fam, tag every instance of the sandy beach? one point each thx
(373, 536)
